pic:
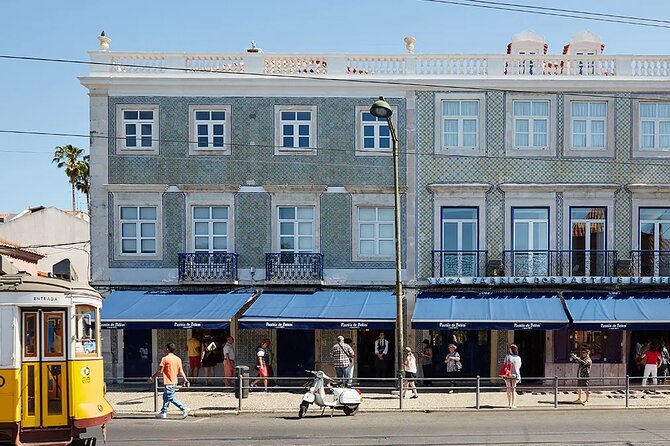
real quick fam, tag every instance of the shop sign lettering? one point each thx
(553, 280)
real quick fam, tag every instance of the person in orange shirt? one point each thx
(170, 367)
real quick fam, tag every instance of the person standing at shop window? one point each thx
(453, 362)
(194, 350)
(381, 351)
(426, 358)
(652, 360)
(229, 360)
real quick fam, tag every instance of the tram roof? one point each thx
(28, 283)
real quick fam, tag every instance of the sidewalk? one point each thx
(206, 403)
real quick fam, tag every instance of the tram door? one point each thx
(44, 369)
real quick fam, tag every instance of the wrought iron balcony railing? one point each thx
(203, 266)
(650, 263)
(459, 263)
(302, 266)
(570, 263)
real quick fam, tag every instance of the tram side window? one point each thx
(86, 339)
(30, 335)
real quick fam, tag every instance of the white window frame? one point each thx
(279, 131)
(285, 198)
(369, 200)
(143, 199)
(193, 130)
(528, 196)
(510, 147)
(480, 148)
(138, 221)
(588, 151)
(296, 221)
(209, 221)
(121, 129)
(458, 252)
(376, 151)
(638, 151)
(195, 197)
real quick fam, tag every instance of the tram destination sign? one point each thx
(551, 280)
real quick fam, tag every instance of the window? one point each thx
(138, 125)
(376, 232)
(460, 235)
(654, 126)
(86, 332)
(209, 130)
(460, 123)
(605, 345)
(138, 229)
(587, 241)
(530, 241)
(654, 242)
(589, 127)
(210, 228)
(373, 135)
(52, 331)
(296, 228)
(531, 124)
(295, 129)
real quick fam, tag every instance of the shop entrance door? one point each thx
(531, 348)
(295, 352)
(365, 351)
(137, 353)
(44, 381)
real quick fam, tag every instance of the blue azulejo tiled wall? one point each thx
(253, 228)
(496, 168)
(252, 160)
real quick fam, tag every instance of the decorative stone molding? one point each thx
(224, 188)
(648, 188)
(374, 189)
(136, 187)
(437, 188)
(294, 188)
(560, 187)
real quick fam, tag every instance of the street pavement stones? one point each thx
(206, 403)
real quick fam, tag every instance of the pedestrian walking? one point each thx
(583, 373)
(269, 361)
(342, 355)
(409, 366)
(426, 358)
(261, 365)
(229, 360)
(514, 361)
(350, 370)
(453, 362)
(652, 360)
(171, 368)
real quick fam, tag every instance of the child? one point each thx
(583, 373)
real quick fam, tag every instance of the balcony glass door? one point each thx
(654, 241)
(588, 241)
(460, 226)
(530, 241)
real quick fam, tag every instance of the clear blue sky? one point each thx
(47, 97)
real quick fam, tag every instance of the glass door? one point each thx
(530, 241)
(44, 379)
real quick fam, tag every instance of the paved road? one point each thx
(597, 427)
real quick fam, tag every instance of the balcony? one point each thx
(570, 263)
(206, 266)
(294, 266)
(649, 263)
(459, 263)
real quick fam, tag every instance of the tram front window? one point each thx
(86, 341)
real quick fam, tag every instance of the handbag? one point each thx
(506, 369)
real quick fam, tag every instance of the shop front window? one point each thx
(605, 345)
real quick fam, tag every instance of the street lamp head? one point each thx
(381, 109)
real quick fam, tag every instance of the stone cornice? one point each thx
(648, 188)
(560, 187)
(438, 188)
(382, 190)
(225, 188)
(295, 188)
(136, 187)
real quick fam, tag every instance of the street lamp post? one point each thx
(381, 109)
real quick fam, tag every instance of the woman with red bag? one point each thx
(511, 373)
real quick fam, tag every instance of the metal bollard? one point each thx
(156, 395)
(555, 392)
(627, 388)
(477, 391)
(401, 387)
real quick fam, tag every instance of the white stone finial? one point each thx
(104, 41)
(409, 43)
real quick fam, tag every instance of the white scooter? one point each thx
(345, 399)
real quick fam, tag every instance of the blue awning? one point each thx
(140, 309)
(322, 309)
(619, 311)
(489, 311)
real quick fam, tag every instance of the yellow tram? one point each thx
(51, 374)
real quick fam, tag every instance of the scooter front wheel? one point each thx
(303, 409)
(350, 410)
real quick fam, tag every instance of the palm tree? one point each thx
(68, 157)
(83, 182)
